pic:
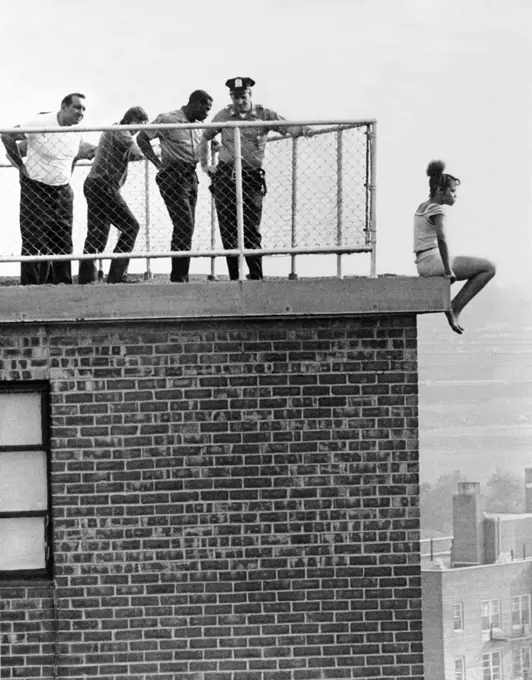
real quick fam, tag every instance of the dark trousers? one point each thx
(106, 207)
(46, 215)
(178, 185)
(253, 191)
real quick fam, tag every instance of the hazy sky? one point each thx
(447, 79)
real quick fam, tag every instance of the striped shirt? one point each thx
(424, 230)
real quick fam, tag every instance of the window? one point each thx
(491, 666)
(521, 662)
(24, 490)
(458, 617)
(491, 614)
(459, 668)
(520, 612)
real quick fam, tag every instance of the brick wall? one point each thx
(27, 631)
(232, 500)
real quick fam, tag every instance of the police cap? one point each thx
(235, 84)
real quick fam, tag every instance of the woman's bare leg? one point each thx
(453, 321)
(476, 272)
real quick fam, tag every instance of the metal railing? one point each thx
(320, 200)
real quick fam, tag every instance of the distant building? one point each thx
(477, 611)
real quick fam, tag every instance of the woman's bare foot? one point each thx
(456, 314)
(453, 322)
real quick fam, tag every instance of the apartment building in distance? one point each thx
(477, 612)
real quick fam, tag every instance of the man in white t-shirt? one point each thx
(46, 197)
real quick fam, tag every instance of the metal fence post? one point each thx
(293, 241)
(339, 199)
(212, 275)
(239, 207)
(373, 194)
(147, 220)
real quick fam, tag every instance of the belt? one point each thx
(425, 250)
(178, 167)
(246, 169)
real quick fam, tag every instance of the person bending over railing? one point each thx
(105, 204)
(177, 178)
(431, 248)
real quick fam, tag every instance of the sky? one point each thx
(444, 79)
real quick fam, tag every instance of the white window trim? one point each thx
(490, 615)
(517, 626)
(491, 656)
(461, 629)
(462, 676)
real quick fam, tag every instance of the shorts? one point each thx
(429, 263)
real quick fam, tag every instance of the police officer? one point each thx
(253, 147)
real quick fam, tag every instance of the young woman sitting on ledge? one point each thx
(432, 251)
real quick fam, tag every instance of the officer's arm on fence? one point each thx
(292, 130)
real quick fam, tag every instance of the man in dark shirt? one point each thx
(105, 204)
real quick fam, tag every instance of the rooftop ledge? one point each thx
(224, 299)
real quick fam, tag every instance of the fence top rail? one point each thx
(326, 130)
(186, 126)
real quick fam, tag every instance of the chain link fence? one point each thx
(314, 194)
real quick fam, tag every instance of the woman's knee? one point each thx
(466, 267)
(491, 268)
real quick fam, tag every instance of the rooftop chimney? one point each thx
(528, 489)
(467, 525)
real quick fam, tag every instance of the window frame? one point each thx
(490, 656)
(461, 609)
(520, 598)
(42, 388)
(459, 673)
(517, 656)
(491, 614)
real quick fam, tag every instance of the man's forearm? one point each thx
(299, 130)
(86, 151)
(12, 151)
(145, 146)
(135, 153)
(203, 153)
